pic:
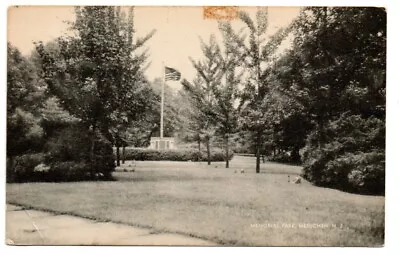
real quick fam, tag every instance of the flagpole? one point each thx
(162, 105)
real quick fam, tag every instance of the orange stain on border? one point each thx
(220, 12)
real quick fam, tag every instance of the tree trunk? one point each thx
(199, 144)
(321, 133)
(208, 151)
(92, 142)
(295, 155)
(226, 151)
(118, 157)
(258, 155)
(123, 154)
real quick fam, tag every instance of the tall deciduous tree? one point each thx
(209, 75)
(257, 54)
(201, 119)
(96, 73)
(192, 119)
(226, 93)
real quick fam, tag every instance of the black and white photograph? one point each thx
(196, 126)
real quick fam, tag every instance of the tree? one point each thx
(172, 120)
(336, 71)
(202, 121)
(334, 62)
(132, 90)
(24, 99)
(140, 118)
(256, 54)
(192, 124)
(95, 72)
(220, 95)
(226, 94)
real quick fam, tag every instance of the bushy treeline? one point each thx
(53, 146)
(175, 155)
(353, 158)
(336, 74)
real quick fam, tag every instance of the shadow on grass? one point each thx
(127, 177)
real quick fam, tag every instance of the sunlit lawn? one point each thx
(217, 204)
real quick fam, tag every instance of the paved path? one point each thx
(32, 227)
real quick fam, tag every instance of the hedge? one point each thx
(22, 168)
(33, 168)
(352, 160)
(74, 171)
(141, 154)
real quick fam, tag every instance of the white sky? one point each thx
(177, 36)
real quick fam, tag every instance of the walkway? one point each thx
(32, 227)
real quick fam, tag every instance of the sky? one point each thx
(178, 30)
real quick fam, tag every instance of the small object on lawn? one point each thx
(242, 171)
(297, 180)
(216, 166)
(99, 175)
(125, 170)
(288, 178)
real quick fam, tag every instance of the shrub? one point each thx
(173, 155)
(368, 175)
(104, 162)
(24, 134)
(69, 152)
(283, 157)
(71, 143)
(352, 158)
(72, 171)
(21, 168)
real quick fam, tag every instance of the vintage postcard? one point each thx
(196, 126)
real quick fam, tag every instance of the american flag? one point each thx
(171, 74)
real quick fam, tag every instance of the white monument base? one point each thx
(165, 143)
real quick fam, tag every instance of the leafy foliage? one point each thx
(97, 74)
(255, 54)
(22, 168)
(213, 96)
(24, 133)
(23, 88)
(354, 157)
(336, 73)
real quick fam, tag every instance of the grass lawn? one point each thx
(217, 204)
